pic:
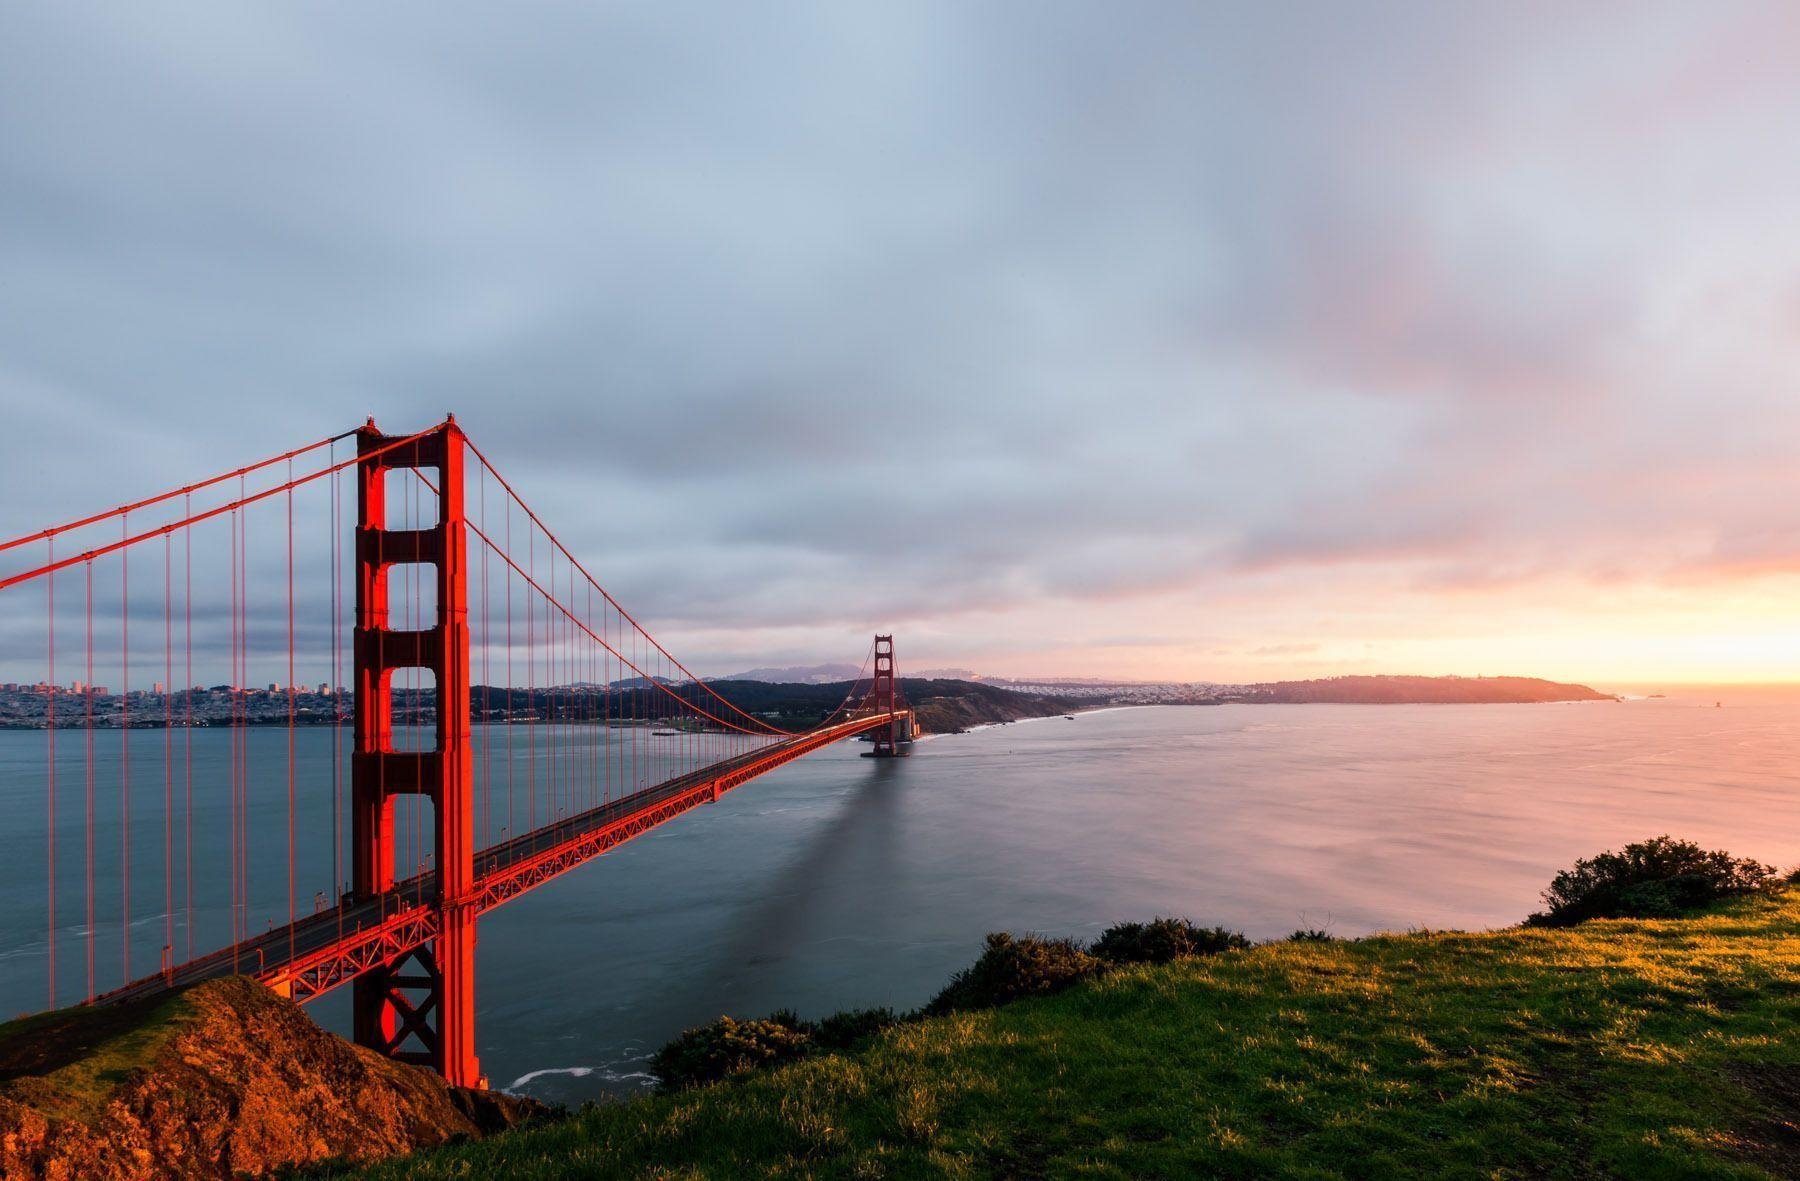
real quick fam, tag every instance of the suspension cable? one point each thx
(626, 615)
(123, 509)
(191, 519)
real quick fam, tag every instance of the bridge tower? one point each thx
(894, 739)
(420, 1007)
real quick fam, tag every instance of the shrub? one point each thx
(728, 1046)
(1658, 878)
(841, 1031)
(1012, 968)
(1161, 940)
(1311, 935)
(792, 1020)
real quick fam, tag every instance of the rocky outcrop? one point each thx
(222, 1080)
(956, 712)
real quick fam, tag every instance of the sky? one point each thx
(1188, 341)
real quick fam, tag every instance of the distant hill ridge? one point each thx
(1358, 689)
(798, 674)
(1402, 690)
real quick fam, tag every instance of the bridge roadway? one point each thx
(313, 955)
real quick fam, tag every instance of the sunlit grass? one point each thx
(1629, 1049)
(67, 1063)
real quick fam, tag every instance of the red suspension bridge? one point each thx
(507, 720)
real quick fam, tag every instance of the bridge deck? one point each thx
(316, 954)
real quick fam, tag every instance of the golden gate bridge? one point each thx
(462, 605)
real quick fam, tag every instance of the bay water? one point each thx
(842, 882)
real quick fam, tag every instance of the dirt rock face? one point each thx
(224, 1080)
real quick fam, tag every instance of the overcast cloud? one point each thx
(1168, 340)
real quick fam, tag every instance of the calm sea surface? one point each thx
(842, 882)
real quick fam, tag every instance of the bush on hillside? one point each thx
(841, 1031)
(1311, 935)
(1161, 940)
(1011, 968)
(729, 1046)
(1658, 878)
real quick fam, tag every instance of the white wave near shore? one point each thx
(612, 1073)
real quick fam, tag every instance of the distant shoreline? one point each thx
(943, 706)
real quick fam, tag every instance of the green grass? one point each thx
(1631, 1049)
(65, 1063)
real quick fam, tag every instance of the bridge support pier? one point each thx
(893, 740)
(419, 1007)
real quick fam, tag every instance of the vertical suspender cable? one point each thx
(552, 666)
(576, 658)
(168, 704)
(511, 823)
(87, 687)
(337, 814)
(565, 636)
(487, 690)
(125, 754)
(638, 710)
(244, 723)
(547, 638)
(187, 737)
(606, 712)
(290, 705)
(580, 652)
(593, 767)
(50, 765)
(571, 708)
(237, 736)
(531, 690)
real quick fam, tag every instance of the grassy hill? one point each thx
(1624, 1048)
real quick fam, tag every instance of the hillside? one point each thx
(1395, 690)
(224, 1079)
(943, 706)
(950, 707)
(1616, 1049)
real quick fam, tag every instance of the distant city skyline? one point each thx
(1173, 343)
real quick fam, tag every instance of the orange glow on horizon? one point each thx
(1300, 625)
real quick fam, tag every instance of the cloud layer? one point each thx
(1177, 341)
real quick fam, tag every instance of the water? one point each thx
(842, 882)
